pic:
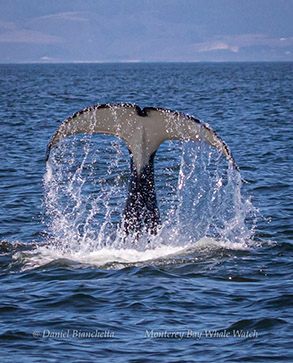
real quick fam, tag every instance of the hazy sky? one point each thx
(145, 30)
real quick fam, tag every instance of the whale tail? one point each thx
(143, 131)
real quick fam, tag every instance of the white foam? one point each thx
(116, 258)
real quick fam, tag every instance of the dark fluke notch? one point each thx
(143, 131)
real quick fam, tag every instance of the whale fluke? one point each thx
(143, 131)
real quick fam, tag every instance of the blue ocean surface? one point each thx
(215, 284)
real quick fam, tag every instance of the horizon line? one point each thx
(146, 62)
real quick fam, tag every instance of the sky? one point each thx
(46, 31)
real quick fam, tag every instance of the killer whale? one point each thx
(143, 131)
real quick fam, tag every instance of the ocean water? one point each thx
(214, 284)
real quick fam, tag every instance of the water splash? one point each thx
(210, 200)
(84, 187)
(86, 183)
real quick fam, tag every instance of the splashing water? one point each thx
(199, 196)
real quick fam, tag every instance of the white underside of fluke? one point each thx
(142, 130)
